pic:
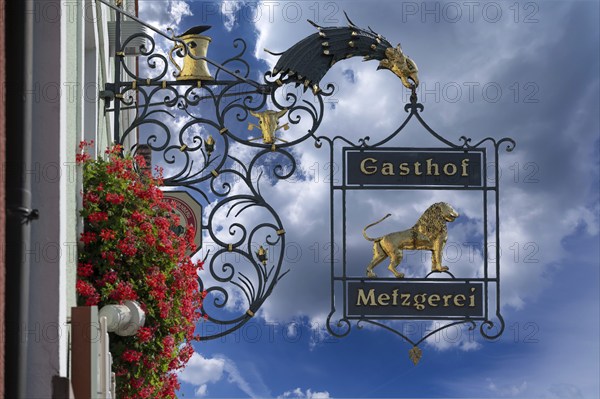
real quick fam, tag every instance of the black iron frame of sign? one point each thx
(174, 118)
(339, 324)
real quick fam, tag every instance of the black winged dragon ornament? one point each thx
(307, 61)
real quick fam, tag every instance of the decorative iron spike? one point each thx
(306, 83)
(351, 24)
(266, 50)
(314, 24)
(316, 89)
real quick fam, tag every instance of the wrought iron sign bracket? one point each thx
(217, 133)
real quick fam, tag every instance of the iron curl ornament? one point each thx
(193, 123)
(219, 135)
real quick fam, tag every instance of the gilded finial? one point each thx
(415, 355)
(209, 145)
(261, 254)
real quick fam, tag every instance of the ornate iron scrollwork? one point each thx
(192, 128)
(196, 126)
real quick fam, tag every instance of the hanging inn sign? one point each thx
(215, 131)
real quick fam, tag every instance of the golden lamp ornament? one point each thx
(261, 254)
(197, 46)
(209, 144)
(268, 123)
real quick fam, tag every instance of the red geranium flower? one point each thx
(131, 356)
(88, 237)
(107, 235)
(131, 253)
(115, 199)
(84, 269)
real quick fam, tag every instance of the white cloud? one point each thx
(536, 217)
(236, 378)
(275, 34)
(164, 14)
(178, 10)
(531, 240)
(201, 371)
(506, 390)
(308, 394)
(454, 337)
(292, 330)
(202, 391)
(229, 10)
(564, 391)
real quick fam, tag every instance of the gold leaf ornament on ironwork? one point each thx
(197, 46)
(429, 233)
(209, 144)
(261, 254)
(401, 66)
(415, 355)
(268, 123)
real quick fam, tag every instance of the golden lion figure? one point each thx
(429, 233)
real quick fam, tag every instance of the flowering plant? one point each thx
(131, 252)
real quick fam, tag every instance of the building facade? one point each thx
(60, 60)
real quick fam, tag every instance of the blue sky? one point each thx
(527, 70)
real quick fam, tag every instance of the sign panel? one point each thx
(401, 167)
(189, 212)
(415, 299)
